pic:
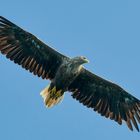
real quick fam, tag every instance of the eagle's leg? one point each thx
(52, 96)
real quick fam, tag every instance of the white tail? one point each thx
(48, 99)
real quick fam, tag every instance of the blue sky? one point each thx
(107, 32)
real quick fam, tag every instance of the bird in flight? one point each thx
(67, 74)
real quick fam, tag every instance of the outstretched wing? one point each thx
(25, 49)
(106, 98)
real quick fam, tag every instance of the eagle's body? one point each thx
(67, 74)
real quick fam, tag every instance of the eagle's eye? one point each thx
(84, 57)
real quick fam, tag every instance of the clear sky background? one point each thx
(107, 32)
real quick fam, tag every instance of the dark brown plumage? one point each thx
(106, 98)
(67, 74)
(27, 50)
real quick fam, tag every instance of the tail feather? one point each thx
(51, 96)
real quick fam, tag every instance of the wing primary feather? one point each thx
(131, 115)
(88, 99)
(111, 115)
(6, 21)
(135, 123)
(5, 49)
(119, 119)
(22, 61)
(98, 105)
(13, 53)
(43, 74)
(96, 99)
(27, 61)
(88, 102)
(16, 55)
(84, 99)
(3, 25)
(40, 70)
(137, 116)
(76, 94)
(30, 62)
(19, 57)
(122, 113)
(128, 122)
(101, 107)
(104, 109)
(81, 98)
(36, 69)
(10, 52)
(107, 113)
(3, 38)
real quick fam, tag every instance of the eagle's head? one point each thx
(79, 60)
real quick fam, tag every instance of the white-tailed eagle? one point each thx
(67, 74)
